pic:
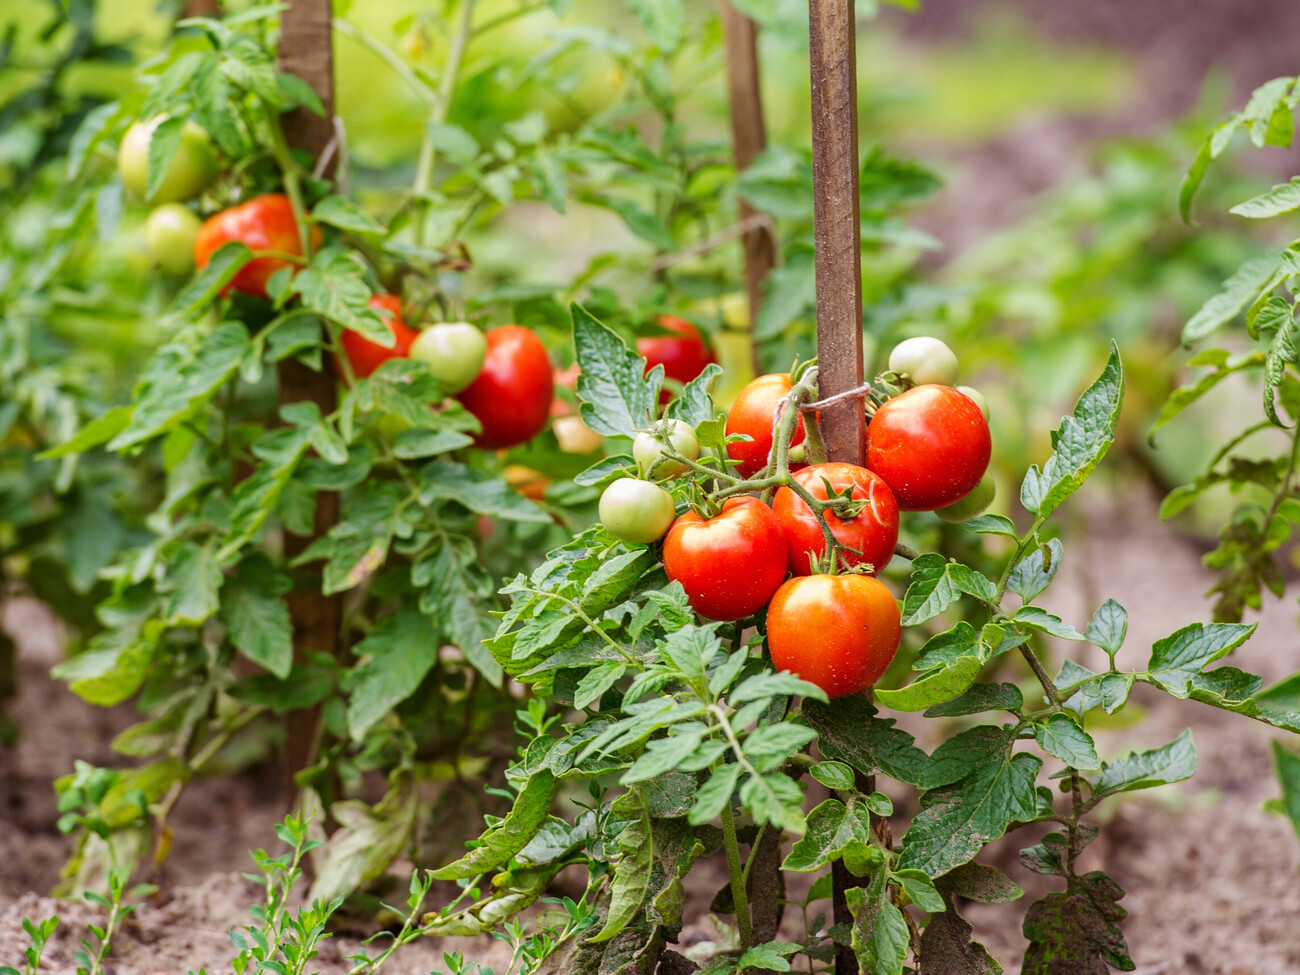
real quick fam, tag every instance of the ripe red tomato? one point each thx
(753, 413)
(264, 223)
(366, 356)
(512, 395)
(873, 532)
(684, 355)
(839, 632)
(729, 564)
(931, 444)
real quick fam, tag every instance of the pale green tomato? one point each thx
(648, 451)
(192, 169)
(454, 351)
(169, 234)
(978, 397)
(926, 359)
(973, 504)
(636, 511)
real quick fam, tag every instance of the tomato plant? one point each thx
(364, 356)
(266, 223)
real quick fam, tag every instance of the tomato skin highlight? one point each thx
(512, 395)
(683, 355)
(753, 414)
(264, 223)
(731, 564)
(873, 532)
(931, 445)
(366, 356)
(839, 632)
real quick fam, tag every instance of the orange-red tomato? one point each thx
(931, 444)
(873, 532)
(264, 223)
(512, 395)
(729, 564)
(753, 414)
(366, 356)
(684, 354)
(839, 632)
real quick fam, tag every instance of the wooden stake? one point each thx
(833, 58)
(833, 52)
(749, 136)
(306, 50)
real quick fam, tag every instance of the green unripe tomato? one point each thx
(169, 234)
(454, 351)
(978, 397)
(192, 169)
(648, 450)
(926, 359)
(973, 504)
(636, 511)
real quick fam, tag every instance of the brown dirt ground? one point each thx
(1212, 881)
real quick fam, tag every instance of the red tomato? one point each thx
(873, 532)
(264, 223)
(753, 413)
(512, 395)
(684, 355)
(729, 564)
(838, 632)
(931, 444)
(366, 356)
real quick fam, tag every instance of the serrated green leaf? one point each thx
(617, 397)
(931, 590)
(1237, 292)
(714, 794)
(1173, 762)
(1283, 198)
(1035, 572)
(1061, 737)
(1077, 931)
(935, 687)
(1177, 659)
(257, 618)
(396, 655)
(339, 211)
(850, 731)
(500, 843)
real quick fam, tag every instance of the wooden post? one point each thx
(833, 58)
(749, 136)
(306, 50)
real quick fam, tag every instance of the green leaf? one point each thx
(477, 490)
(396, 655)
(771, 955)
(1061, 737)
(1173, 762)
(221, 269)
(956, 821)
(617, 397)
(920, 888)
(770, 745)
(662, 755)
(979, 698)
(833, 775)
(1176, 660)
(1079, 443)
(163, 143)
(369, 839)
(339, 211)
(774, 799)
(694, 405)
(1184, 396)
(1037, 618)
(194, 581)
(256, 617)
(980, 883)
(1238, 292)
(1287, 764)
(93, 434)
(992, 525)
(1108, 627)
(631, 877)
(1284, 198)
(256, 496)
(499, 844)
(880, 936)
(458, 606)
(931, 590)
(1035, 572)
(714, 794)
(937, 686)
(334, 286)
(605, 469)
(640, 221)
(766, 685)
(849, 731)
(830, 827)
(1077, 931)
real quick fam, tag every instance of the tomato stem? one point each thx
(740, 901)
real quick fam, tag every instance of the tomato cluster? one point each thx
(828, 619)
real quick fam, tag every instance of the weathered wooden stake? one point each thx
(749, 136)
(833, 58)
(306, 50)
